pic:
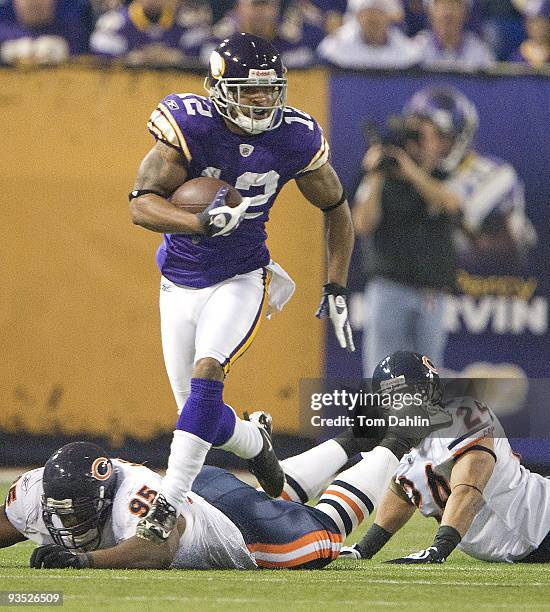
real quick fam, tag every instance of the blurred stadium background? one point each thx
(80, 329)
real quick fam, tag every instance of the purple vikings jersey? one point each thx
(257, 166)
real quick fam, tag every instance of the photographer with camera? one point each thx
(406, 213)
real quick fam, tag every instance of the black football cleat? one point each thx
(265, 466)
(157, 525)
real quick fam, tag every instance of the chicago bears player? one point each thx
(217, 277)
(466, 477)
(82, 507)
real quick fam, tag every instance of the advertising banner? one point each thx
(498, 316)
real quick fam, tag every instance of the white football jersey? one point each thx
(515, 517)
(488, 185)
(210, 539)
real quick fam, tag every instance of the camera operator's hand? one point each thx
(409, 169)
(438, 198)
(373, 158)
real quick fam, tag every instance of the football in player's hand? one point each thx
(195, 195)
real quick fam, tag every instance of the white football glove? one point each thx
(220, 219)
(334, 304)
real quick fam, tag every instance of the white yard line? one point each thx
(364, 580)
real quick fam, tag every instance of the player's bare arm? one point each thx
(395, 509)
(161, 172)
(469, 477)
(323, 189)
(8, 533)
(133, 553)
(139, 553)
(393, 513)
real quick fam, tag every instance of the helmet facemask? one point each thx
(76, 524)
(226, 95)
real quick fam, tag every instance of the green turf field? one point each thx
(460, 584)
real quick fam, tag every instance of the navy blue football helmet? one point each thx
(452, 114)
(242, 62)
(409, 372)
(79, 485)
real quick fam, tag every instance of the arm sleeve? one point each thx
(23, 507)
(478, 422)
(168, 122)
(311, 147)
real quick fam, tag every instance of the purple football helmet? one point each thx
(242, 62)
(452, 114)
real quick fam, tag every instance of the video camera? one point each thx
(397, 132)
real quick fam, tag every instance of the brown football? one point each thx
(195, 195)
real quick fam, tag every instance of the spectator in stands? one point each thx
(535, 51)
(448, 44)
(38, 31)
(499, 23)
(295, 38)
(153, 32)
(415, 17)
(325, 14)
(370, 38)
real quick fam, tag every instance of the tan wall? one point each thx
(80, 342)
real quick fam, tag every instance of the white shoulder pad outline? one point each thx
(164, 127)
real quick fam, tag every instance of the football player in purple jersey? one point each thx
(217, 274)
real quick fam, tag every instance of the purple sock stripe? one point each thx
(207, 387)
(254, 324)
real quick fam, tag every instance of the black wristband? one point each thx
(139, 192)
(335, 206)
(334, 289)
(398, 446)
(373, 541)
(478, 447)
(446, 540)
(465, 484)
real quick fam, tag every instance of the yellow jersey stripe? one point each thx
(162, 124)
(319, 159)
(156, 131)
(182, 142)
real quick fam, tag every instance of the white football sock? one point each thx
(353, 495)
(309, 473)
(187, 455)
(246, 441)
